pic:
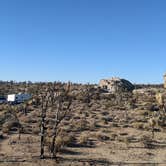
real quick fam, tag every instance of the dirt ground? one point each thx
(104, 134)
(25, 152)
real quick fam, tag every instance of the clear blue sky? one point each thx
(83, 40)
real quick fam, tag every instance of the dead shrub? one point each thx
(35, 130)
(138, 125)
(81, 124)
(93, 124)
(113, 136)
(142, 112)
(84, 138)
(122, 139)
(62, 140)
(148, 142)
(102, 137)
(8, 126)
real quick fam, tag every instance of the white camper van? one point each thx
(18, 98)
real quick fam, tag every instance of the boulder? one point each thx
(116, 84)
(165, 81)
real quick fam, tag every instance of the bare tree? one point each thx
(43, 125)
(64, 102)
(59, 100)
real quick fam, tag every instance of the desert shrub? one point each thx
(153, 107)
(122, 139)
(81, 124)
(106, 119)
(61, 141)
(113, 136)
(92, 125)
(147, 142)
(123, 134)
(142, 112)
(138, 125)
(146, 126)
(69, 139)
(162, 121)
(5, 130)
(84, 138)
(86, 114)
(7, 127)
(105, 113)
(96, 96)
(114, 124)
(35, 130)
(102, 137)
(29, 120)
(5, 117)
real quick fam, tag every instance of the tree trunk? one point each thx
(42, 140)
(53, 147)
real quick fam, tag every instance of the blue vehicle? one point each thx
(3, 99)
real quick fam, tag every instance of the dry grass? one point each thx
(118, 135)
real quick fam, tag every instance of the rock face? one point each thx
(116, 84)
(165, 81)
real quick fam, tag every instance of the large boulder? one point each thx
(165, 81)
(116, 84)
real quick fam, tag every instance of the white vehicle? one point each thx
(18, 98)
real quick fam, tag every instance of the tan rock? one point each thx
(165, 81)
(116, 84)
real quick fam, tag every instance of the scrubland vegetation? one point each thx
(74, 124)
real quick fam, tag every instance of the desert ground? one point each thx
(100, 129)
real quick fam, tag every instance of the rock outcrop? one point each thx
(165, 81)
(116, 84)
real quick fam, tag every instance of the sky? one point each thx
(83, 40)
